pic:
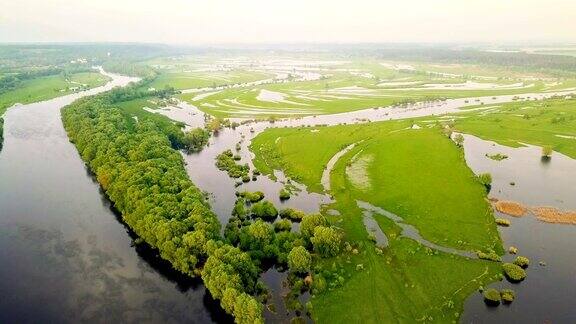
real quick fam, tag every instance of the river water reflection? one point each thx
(65, 256)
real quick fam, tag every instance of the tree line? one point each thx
(138, 165)
(144, 176)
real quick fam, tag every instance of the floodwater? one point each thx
(552, 287)
(549, 291)
(65, 255)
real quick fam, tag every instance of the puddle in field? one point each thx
(408, 230)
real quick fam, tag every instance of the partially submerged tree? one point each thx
(196, 139)
(546, 153)
(459, 140)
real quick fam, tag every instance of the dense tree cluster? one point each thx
(196, 139)
(225, 161)
(562, 65)
(138, 166)
(143, 175)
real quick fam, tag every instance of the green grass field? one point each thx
(542, 123)
(418, 174)
(49, 87)
(188, 80)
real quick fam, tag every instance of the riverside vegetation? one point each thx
(420, 283)
(137, 164)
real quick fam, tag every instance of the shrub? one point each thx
(292, 214)
(265, 210)
(546, 151)
(497, 157)
(284, 194)
(502, 222)
(492, 297)
(252, 196)
(459, 139)
(507, 295)
(486, 180)
(326, 241)
(513, 272)
(490, 255)
(310, 222)
(282, 225)
(522, 261)
(299, 260)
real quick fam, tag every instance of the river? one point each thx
(67, 257)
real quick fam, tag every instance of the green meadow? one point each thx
(181, 80)
(49, 87)
(418, 174)
(542, 123)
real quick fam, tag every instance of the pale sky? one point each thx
(277, 21)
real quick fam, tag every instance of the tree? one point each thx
(310, 222)
(326, 241)
(214, 125)
(282, 225)
(547, 152)
(196, 139)
(299, 260)
(284, 194)
(486, 180)
(292, 214)
(459, 139)
(265, 210)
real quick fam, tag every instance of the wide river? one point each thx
(67, 257)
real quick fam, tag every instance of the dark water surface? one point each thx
(548, 294)
(64, 255)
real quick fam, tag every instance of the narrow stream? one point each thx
(65, 255)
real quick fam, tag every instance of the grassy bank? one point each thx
(418, 174)
(543, 123)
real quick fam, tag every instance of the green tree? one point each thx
(196, 139)
(459, 139)
(299, 260)
(265, 210)
(310, 222)
(326, 241)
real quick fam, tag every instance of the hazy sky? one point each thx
(265, 21)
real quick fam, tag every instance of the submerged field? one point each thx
(418, 174)
(325, 86)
